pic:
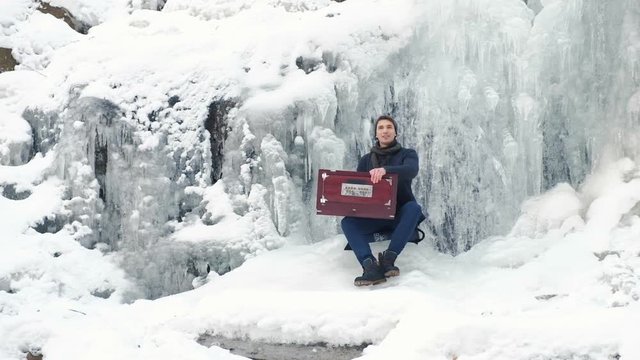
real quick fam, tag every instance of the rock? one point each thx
(603, 254)
(7, 62)
(9, 191)
(64, 15)
(102, 293)
(216, 125)
(31, 356)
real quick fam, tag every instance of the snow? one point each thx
(14, 11)
(107, 195)
(97, 12)
(560, 207)
(38, 38)
(510, 297)
(439, 307)
(15, 132)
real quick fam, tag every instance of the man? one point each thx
(387, 156)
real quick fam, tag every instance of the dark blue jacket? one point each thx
(405, 164)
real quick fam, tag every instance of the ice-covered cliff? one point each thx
(188, 139)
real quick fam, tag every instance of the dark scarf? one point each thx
(381, 156)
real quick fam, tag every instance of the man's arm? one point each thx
(408, 169)
(362, 164)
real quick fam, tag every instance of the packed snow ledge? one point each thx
(508, 298)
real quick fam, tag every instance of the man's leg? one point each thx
(359, 233)
(405, 225)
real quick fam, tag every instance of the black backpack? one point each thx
(418, 235)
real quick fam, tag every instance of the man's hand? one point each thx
(377, 174)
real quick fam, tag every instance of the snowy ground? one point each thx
(558, 295)
(478, 306)
(568, 289)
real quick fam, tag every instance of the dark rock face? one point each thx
(308, 65)
(101, 158)
(44, 132)
(173, 100)
(64, 15)
(9, 191)
(534, 5)
(216, 124)
(160, 4)
(102, 293)
(103, 115)
(32, 356)
(554, 156)
(50, 225)
(7, 62)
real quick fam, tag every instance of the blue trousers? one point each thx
(359, 231)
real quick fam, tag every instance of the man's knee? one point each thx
(411, 207)
(346, 223)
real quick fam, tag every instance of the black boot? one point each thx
(372, 273)
(387, 260)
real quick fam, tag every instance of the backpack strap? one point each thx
(418, 236)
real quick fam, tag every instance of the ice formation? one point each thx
(147, 111)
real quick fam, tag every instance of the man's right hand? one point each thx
(377, 174)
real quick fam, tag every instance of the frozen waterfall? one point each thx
(161, 125)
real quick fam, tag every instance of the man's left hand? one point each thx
(377, 174)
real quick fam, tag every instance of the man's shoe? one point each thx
(387, 260)
(372, 274)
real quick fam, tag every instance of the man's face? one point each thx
(385, 132)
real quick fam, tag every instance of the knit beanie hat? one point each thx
(386, 117)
